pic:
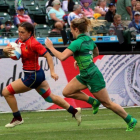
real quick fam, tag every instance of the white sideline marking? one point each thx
(62, 109)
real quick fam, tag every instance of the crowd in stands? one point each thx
(21, 16)
(120, 14)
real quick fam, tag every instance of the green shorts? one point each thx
(92, 78)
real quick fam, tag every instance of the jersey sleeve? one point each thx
(74, 46)
(127, 3)
(39, 48)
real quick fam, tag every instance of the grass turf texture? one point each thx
(59, 125)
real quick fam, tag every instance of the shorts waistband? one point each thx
(29, 71)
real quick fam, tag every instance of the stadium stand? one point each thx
(11, 5)
(3, 6)
(41, 4)
(28, 2)
(94, 3)
(42, 33)
(37, 11)
(2, 2)
(42, 30)
(15, 31)
(4, 17)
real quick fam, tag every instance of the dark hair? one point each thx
(28, 27)
(50, 3)
(83, 24)
(8, 22)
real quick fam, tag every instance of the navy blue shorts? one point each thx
(33, 79)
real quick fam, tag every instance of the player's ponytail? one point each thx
(85, 25)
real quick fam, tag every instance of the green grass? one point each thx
(59, 125)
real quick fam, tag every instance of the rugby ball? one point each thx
(16, 54)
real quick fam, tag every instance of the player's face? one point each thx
(23, 34)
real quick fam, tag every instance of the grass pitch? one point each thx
(59, 125)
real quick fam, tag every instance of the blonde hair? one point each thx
(55, 2)
(117, 16)
(99, 1)
(85, 25)
(138, 2)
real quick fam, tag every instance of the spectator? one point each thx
(86, 9)
(101, 7)
(70, 5)
(124, 9)
(56, 13)
(137, 8)
(111, 13)
(77, 13)
(136, 22)
(56, 32)
(22, 17)
(6, 31)
(67, 5)
(116, 25)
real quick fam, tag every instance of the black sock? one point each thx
(17, 115)
(72, 110)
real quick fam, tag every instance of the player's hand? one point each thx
(75, 65)
(48, 43)
(8, 49)
(54, 76)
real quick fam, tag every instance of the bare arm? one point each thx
(53, 16)
(60, 55)
(95, 52)
(128, 9)
(51, 65)
(98, 10)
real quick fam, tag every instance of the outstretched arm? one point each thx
(60, 55)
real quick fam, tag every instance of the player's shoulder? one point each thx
(76, 42)
(35, 41)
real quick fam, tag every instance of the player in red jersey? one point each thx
(34, 77)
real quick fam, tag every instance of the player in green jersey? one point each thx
(84, 50)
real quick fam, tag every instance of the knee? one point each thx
(5, 92)
(66, 93)
(59, 25)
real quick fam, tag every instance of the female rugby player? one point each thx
(34, 77)
(84, 49)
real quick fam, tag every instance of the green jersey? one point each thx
(82, 49)
(121, 8)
